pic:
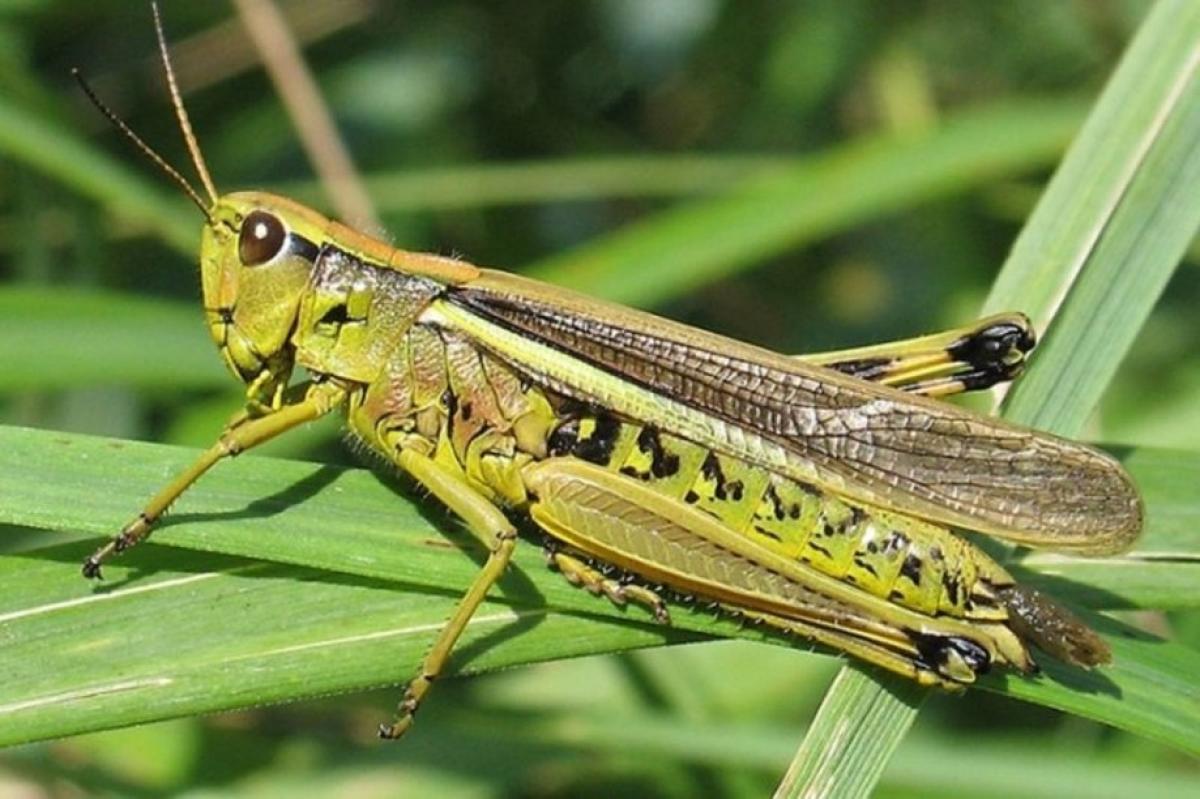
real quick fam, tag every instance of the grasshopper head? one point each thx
(257, 254)
(256, 257)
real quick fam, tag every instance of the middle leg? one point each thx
(491, 526)
(579, 572)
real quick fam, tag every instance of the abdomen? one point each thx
(893, 557)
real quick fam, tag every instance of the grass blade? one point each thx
(839, 755)
(357, 582)
(1112, 225)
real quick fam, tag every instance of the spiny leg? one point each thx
(898, 662)
(580, 573)
(971, 358)
(624, 522)
(242, 433)
(488, 524)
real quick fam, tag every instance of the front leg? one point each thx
(493, 528)
(246, 430)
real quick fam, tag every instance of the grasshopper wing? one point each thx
(865, 441)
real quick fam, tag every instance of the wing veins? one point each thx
(892, 445)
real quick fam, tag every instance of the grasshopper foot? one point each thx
(129, 536)
(579, 573)
(407, 710)
(390, 732)
(91, 568)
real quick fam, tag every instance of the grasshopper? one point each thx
(814, 495)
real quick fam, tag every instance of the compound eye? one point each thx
(261, 239)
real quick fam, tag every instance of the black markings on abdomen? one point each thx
(911, 568)
(597, 447)
(722, 489)
(564, 438)
(662, 463)
(950, 583)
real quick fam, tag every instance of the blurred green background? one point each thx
(800, 175)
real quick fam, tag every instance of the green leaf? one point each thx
(358, 582)
(183, 633)
(1150, 687)
(172, 632)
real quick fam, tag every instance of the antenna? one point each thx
(145, 149)
(185, 124)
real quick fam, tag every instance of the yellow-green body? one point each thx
(811, 495)
(443, 396)
(494, 381)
